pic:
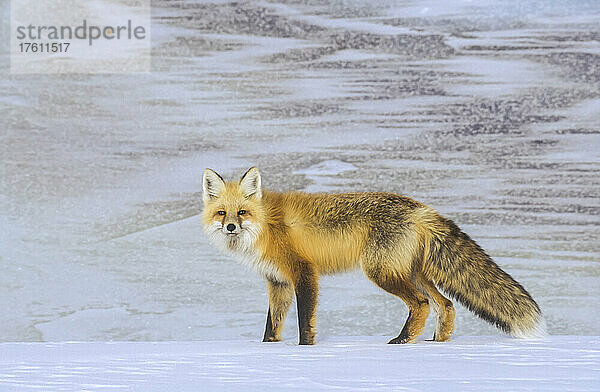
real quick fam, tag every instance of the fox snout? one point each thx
(231, 228)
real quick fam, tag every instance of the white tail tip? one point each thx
(538, 330)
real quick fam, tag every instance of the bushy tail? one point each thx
(464, 271)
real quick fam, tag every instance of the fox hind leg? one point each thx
(280, 298)
(418, 305)
(441, 305)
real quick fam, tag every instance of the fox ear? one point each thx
(212, 185)
(250, 183)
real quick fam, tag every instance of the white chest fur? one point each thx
(263, 267)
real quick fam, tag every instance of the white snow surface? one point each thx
(487, 363)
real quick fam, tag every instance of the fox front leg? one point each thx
(281, 295)
(306, 288)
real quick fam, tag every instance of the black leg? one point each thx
(269, 332)
(306, 298)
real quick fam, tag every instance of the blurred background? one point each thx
(488, 111)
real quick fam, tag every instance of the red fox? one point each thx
(403, 246)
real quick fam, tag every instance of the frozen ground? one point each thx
(487, 111)
(558, 363)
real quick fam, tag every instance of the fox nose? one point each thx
(231, 227)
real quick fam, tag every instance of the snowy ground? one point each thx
(557, 363)
(487, 111)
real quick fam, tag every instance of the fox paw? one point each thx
(271, 339)
(401, 340)
(441, 338)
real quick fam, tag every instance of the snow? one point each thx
(556, 363)
(328, 168)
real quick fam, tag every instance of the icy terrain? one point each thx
(487, 111)
(560, 363)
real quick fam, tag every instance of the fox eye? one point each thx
(221, 212)
(242, 212)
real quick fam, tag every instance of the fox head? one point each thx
(232, 210)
